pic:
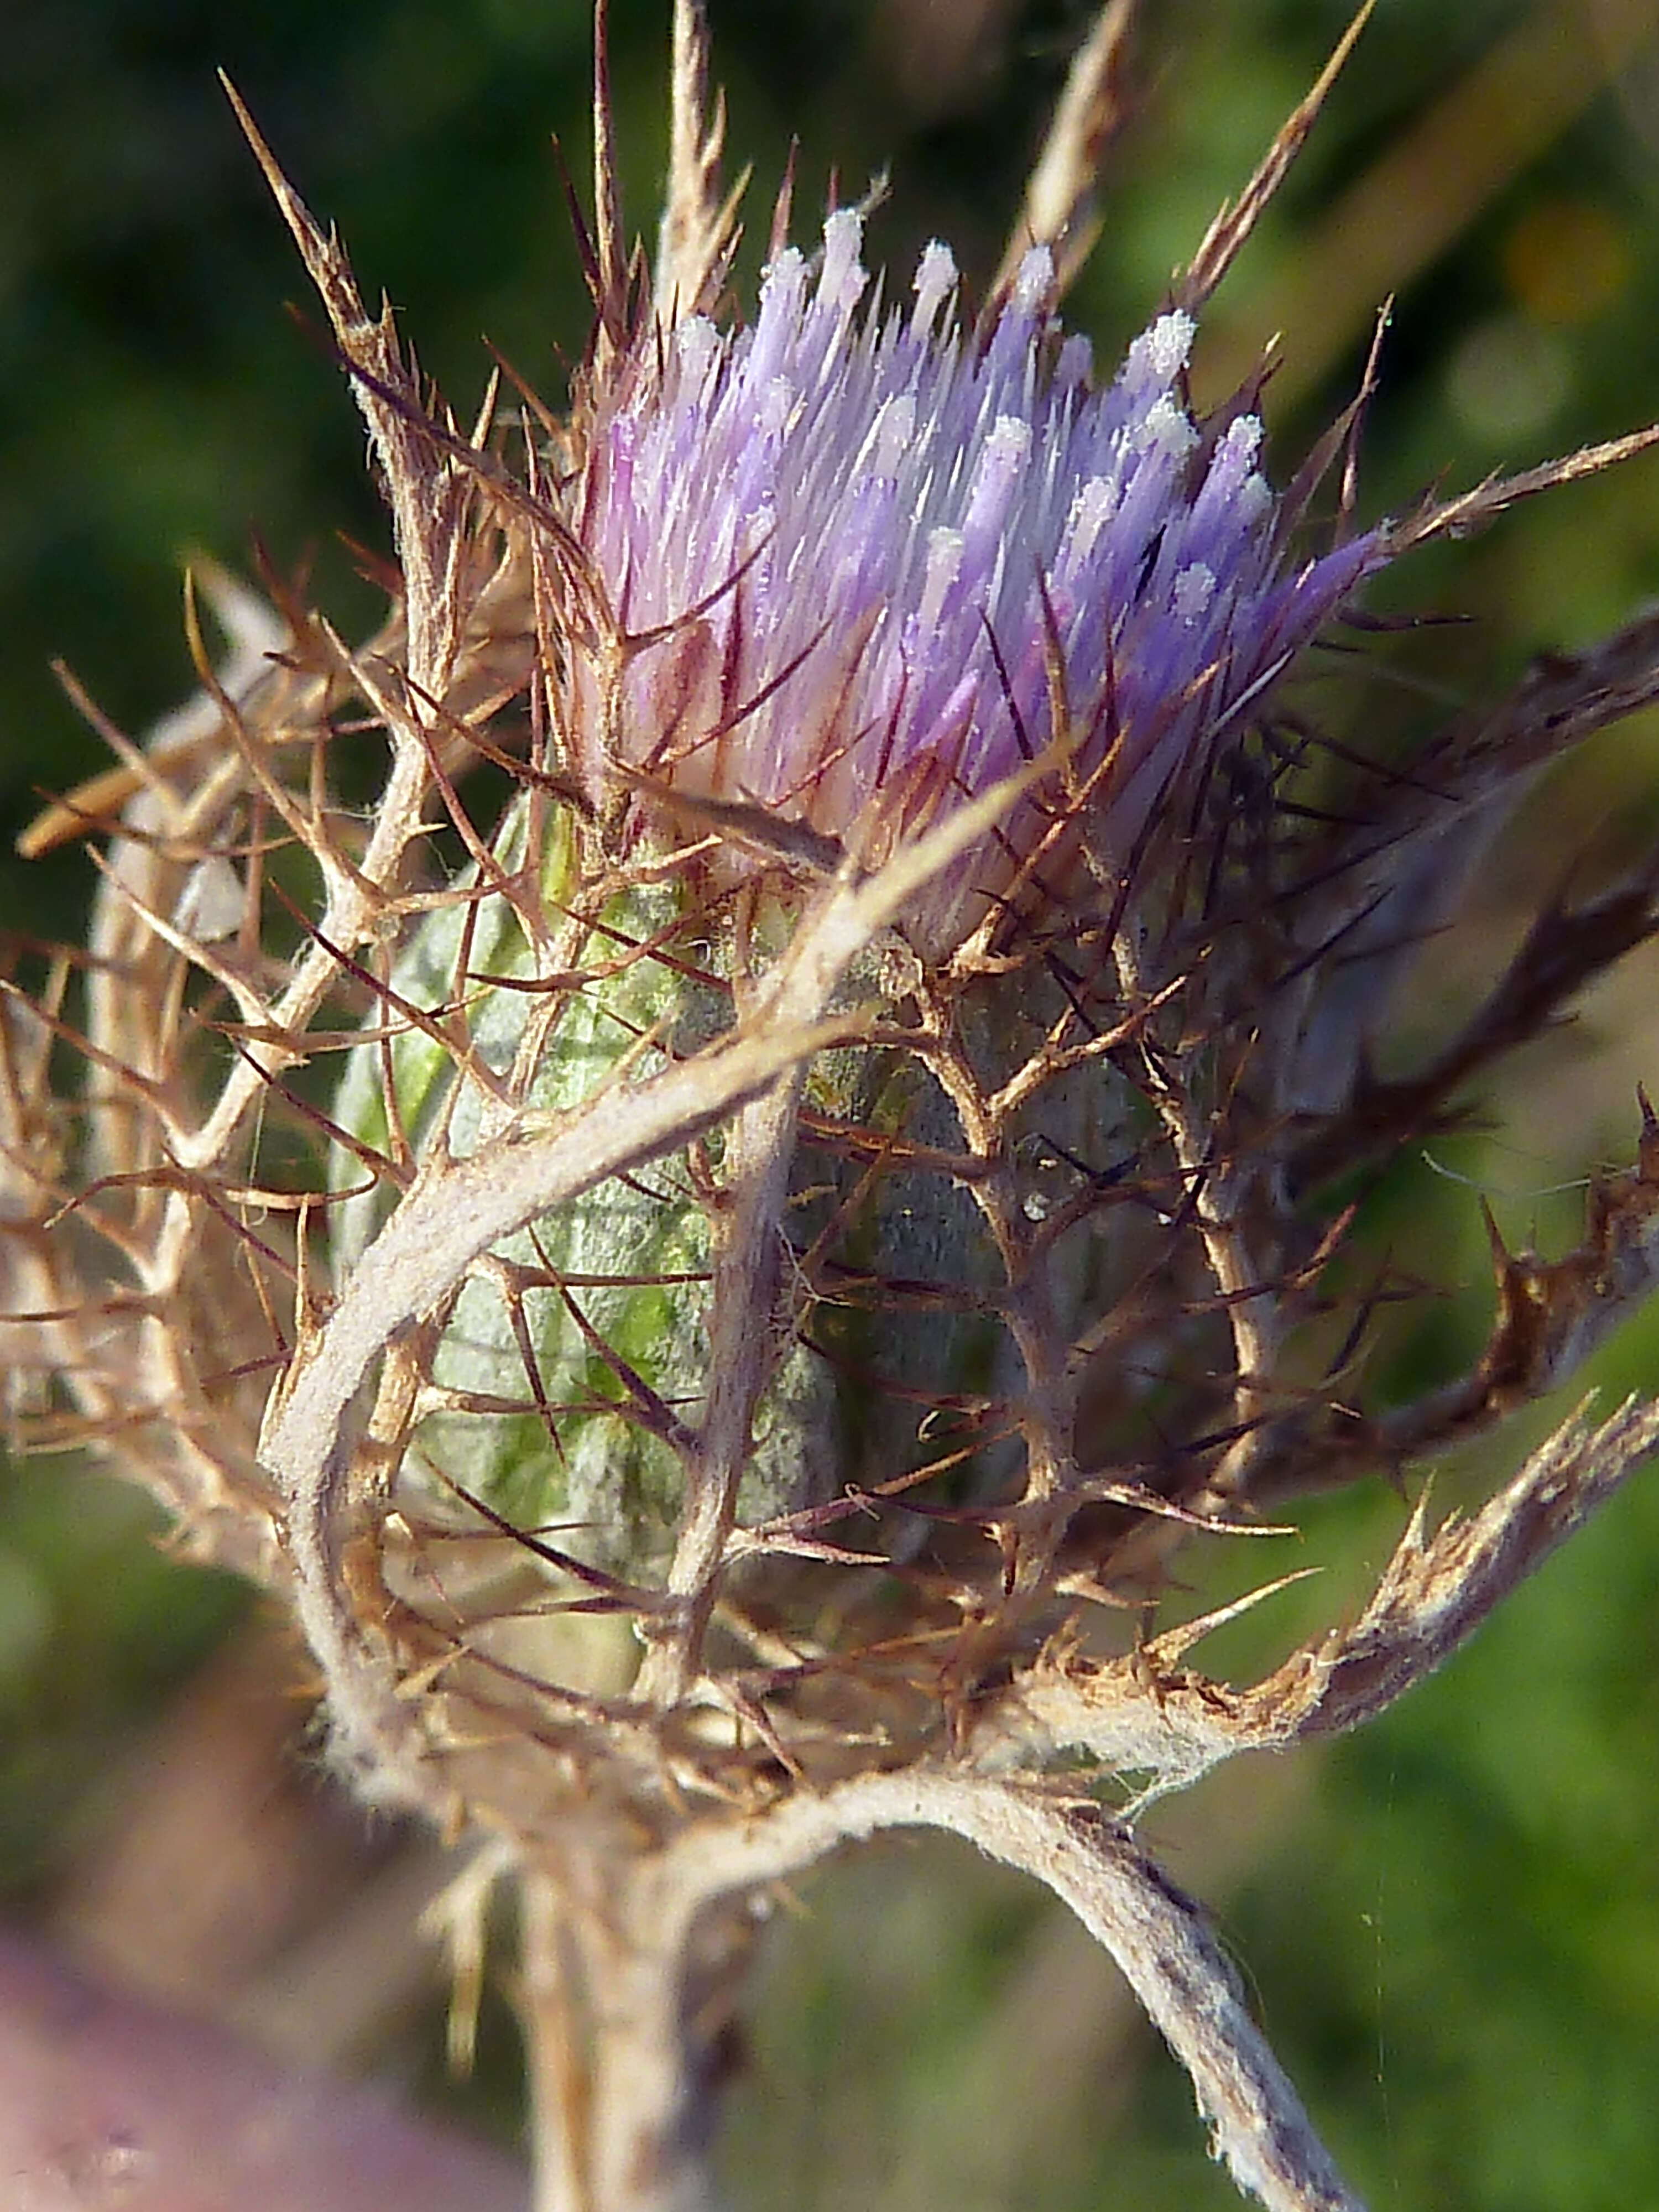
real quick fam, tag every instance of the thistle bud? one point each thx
(827, 580)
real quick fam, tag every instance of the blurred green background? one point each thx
(1452, 1924)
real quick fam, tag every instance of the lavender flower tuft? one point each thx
(856, 545)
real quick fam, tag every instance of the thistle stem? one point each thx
(557, 2080)
(621, 2022)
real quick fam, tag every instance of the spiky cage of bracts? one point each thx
(905, 933)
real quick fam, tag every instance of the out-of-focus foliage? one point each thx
(1452, 1921)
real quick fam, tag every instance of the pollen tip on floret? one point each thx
(1192, 592)
(1163, 351)
(783, 276)
(935, 281)
(843, 278)
(1006, 450)
(1254, 499)
(696, 345)
(1093, 504)
(1002, 462)
(1034, 283)
(1167, 428)
(1241, 440)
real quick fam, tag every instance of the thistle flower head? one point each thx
(870, 562)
